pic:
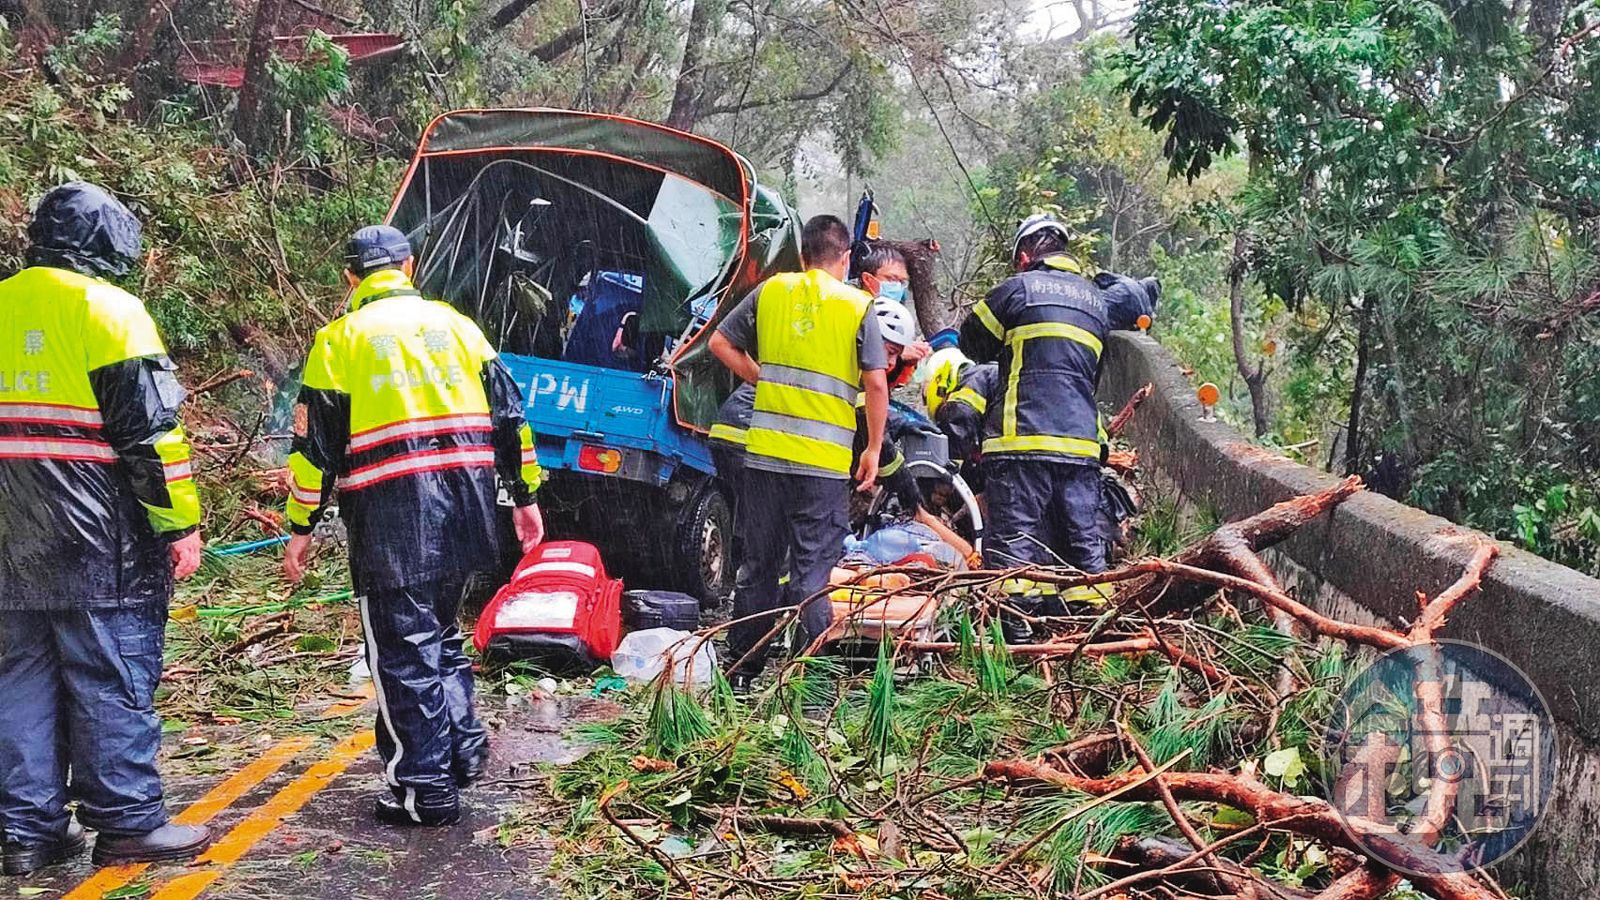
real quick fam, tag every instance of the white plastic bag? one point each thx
(642, 655)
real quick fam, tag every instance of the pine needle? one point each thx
(881, 733)
(725, 705)
(676, 718)
(994, 666)
(968, 637)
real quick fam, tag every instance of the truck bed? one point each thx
(572, 406)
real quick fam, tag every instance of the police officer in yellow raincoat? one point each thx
(99, 515)
(409, 416)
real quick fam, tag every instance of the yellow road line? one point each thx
(200, 812)
(354, 705)
(265, 819)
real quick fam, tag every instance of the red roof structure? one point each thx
(223, 68)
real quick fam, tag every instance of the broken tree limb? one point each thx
(1120, 420)
(1437, 611)
(1245, 562)
(1143, 780)
(1102, 648)
(1148, 644)
(1264, 529)
(1170, 802)
(219, 380)
(269, 627)
(665, 861)
(1305, 816)
(1160, 860)
(1369, 882)
(785, 825)
(1183, 868)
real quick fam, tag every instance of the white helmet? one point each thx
(895, 321)
(1034, 224)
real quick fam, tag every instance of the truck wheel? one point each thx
(705, 546)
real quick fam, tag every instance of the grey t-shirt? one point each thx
(740, 329)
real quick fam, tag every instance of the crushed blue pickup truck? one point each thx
(596, 251)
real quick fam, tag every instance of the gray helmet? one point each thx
(80, 226)
(375, 247)
(1035, 224)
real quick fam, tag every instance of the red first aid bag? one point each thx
(560, 607)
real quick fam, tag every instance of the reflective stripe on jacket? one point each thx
(890, 459)
(733, 417)
(961, 416)
(806, 329)
(408, 412)
(1045, 327)
(94, 465)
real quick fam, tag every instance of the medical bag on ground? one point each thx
(560, 610)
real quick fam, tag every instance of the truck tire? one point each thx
(705, 546)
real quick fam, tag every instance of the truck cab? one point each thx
(598, 253)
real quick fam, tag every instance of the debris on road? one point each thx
(1169, 744)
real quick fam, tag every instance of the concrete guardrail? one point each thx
(1366, 560)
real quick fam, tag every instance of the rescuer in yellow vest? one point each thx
(809, 344)
(1042, 445)
(99, 515)
(409, 414)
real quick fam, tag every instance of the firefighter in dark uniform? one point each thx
(409, 414)
(1045, 326)
(809, 343)
(100, 515)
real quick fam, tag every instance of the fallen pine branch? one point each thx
(1365, 883)
(1100, 799)
(1198, 869)
(270, 627)
(604, 805)
(785, 825)
(219, 380)
(1151, 643)
(1305, 816)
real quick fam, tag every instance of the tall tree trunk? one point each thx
(1397, 381)
(1255, 380)
(689, 95)
(1352, 431)
(507, 14)
(248, 124)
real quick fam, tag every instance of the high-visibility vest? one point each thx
(806, 328)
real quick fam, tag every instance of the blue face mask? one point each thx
(892, 290)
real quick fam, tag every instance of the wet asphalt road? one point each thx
(293, 816)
